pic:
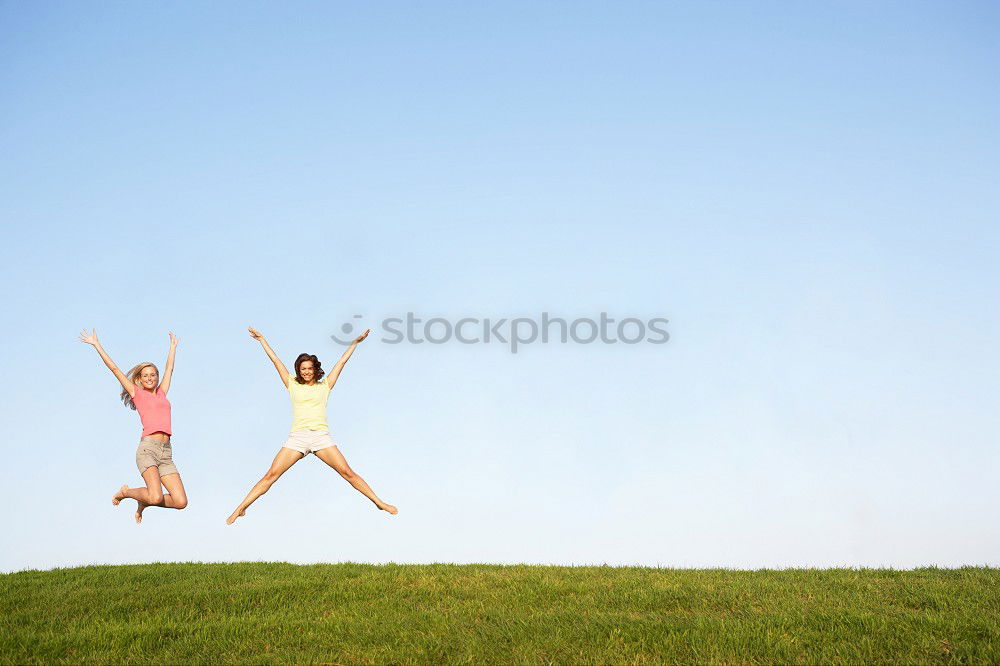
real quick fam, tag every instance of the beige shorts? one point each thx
(154, 454)
(308, 441)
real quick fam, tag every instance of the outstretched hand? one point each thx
(89, 338)
(173, 339)
(254, 333)
(363, 335)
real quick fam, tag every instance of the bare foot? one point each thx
(236, 514)
(138, 512)
(390, 508)
(120, 495)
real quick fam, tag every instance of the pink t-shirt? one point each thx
(154, 410)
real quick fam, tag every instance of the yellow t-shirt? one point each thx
(308, 404)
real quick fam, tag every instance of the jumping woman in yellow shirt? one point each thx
(310, 433)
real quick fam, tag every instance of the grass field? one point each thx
(362, 614)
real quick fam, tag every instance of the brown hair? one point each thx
(317, 368)
(133, 376)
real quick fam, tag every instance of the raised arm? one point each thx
(168, 371)
(91, 339)
(278, 365)
(331, 378)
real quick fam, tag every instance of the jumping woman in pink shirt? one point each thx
(143, 392)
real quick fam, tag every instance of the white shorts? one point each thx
(308, 441)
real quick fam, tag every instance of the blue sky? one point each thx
(806, 191)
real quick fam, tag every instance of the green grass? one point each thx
(360, 614)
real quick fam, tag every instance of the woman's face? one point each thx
(307, 371)
(148, 377)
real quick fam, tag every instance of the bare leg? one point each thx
(176, 497)
(140, 506)
(285, 459)
(152, 494)
(332, 456)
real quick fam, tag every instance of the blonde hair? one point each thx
(133, 376)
